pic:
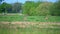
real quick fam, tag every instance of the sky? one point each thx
(23, 1)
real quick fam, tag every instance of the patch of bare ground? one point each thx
(32, 24)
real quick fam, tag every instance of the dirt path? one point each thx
(40, 23)
(35, 24)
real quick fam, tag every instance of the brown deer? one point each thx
(46, 18)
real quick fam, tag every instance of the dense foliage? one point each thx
(32, 8)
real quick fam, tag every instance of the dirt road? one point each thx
(34, 24)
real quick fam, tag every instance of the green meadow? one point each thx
(11, 18)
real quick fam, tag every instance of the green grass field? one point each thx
(5, 28)
(11, 18)
(31, 31)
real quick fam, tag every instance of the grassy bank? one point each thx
(11, 18)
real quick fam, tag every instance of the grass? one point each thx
(42, 18)
(33, 29)
(11, 18)
(30, 31)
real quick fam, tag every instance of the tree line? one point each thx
(32, 8)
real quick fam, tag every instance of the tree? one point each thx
(29, 7)
(43, 9)
(17, 7)
(55, 10)
(4, 7)
(36, 8)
